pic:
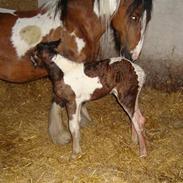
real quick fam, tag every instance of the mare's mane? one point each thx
(60, 6)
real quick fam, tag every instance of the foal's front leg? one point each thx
(58, 132)
(73, 110)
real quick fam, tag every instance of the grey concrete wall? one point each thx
(162, 54)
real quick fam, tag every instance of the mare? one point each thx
(82, 27)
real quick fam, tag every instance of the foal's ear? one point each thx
(54, 44)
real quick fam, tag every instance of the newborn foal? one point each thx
(76, 83)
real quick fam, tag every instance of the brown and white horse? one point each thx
(76, 83)
(81, 26)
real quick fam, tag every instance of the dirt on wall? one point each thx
(164, 75)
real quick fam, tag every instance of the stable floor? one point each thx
(28, 155)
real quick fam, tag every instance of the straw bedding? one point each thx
(28, 155)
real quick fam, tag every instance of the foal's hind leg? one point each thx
(142, 121)
(138, 123)
(130, 104)
(57, 130)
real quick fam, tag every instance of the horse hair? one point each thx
(62, 7)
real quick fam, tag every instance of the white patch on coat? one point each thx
(46, 22)
(106, 7)
(9, 11)
(115, 59)
(136, 51)
(140, 75)
(74, 76)
(79, 42)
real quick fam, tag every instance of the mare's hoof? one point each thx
(63, 138)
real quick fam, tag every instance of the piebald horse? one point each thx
(87, 29)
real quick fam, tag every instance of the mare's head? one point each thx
(130, 22)
(43, 53)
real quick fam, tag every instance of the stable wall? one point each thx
(162, 53)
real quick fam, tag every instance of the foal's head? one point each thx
(130, 22)
(44, 52)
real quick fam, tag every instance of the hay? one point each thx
(28, 155)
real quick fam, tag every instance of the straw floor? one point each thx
(28, 155)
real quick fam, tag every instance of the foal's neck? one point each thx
(64, 64)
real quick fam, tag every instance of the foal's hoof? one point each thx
(143, 154)
(63, 138)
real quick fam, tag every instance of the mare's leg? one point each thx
(85, 118)
(129, 102)
(74, 117)
(57, 130)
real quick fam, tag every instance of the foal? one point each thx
(75, 83)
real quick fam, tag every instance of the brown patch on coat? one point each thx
(120, 75)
